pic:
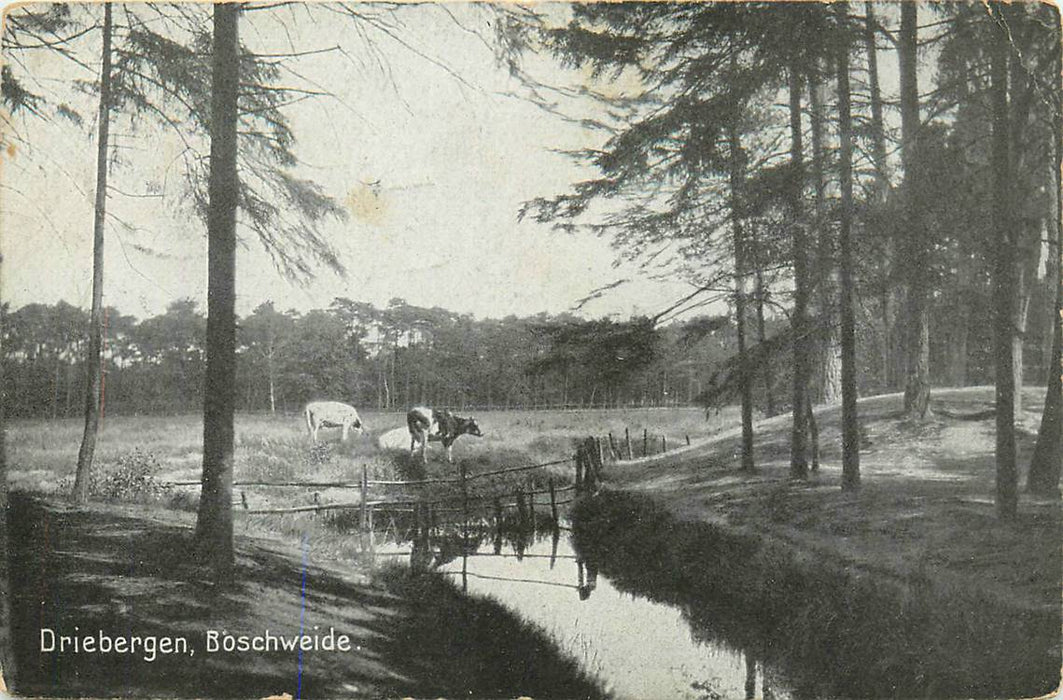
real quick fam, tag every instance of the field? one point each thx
(137, 453)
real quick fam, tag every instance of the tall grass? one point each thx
(276, 447)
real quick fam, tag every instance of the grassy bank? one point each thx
(909, 586)
(834, 632)
(925, 506)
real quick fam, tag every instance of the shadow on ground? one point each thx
(94, 571)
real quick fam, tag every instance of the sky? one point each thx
(432, 169)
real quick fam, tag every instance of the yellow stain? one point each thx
(365, 203)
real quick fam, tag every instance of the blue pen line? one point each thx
(302, 615)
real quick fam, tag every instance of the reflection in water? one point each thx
(588, 583)
(635, 647)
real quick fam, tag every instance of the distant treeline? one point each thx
(385, 359)
(401, 355)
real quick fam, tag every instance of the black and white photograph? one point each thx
(635, 350)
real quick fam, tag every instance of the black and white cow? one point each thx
(331, 414)
(438, 426)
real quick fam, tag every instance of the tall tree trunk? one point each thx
(765, 369)
(917, 312)
(214, 525)
(1026, 237)
(958, 348)
(737, 177)
(1043, 477)
(272, 383)
(878, 132)
(55, 386)
(68, 388)
(891, 359)
(7, 657)
(1024, 292)
(960, 320)
(802, 336)
(1047, 461)
(850, 418)
(826, 271)
(1003, 275)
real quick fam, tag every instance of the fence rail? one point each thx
(474, 508)
(380, 482)
(364, 483)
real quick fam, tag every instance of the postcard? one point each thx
(559, 350)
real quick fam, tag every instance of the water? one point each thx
(636, 648)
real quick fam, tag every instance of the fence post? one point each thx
(464, 496)
(372, 552)
(588, 464)
(579, 469)
(664, 443)
(596, 461)
(645, 442)
(613, 448)
(498, 526)
(522, 509)
(627, 442)
(553, 503)
(531, 508)
(688, 440)
(365, 505)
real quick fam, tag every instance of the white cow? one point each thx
(331, 414)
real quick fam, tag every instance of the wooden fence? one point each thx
(588, 475)
(588, 463)
(617, 449)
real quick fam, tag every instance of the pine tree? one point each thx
(214, 525)
(1047, 461)
(917, 311)
(850, 417)
(94, 358)
(1004, 270)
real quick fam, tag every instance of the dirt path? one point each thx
(925, 507)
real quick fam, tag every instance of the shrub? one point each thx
(130, 478)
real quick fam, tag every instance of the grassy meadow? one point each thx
(137, 456)
(276, 447)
